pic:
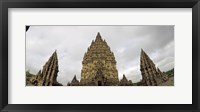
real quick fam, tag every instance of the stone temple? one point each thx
(48, 75)
(150, 75)
(99, 65)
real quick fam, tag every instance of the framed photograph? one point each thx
(99, 65)
(99, 55)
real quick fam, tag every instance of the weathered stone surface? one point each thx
(150, 75)
(48, 75)
(99, 65)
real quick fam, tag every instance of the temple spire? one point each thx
(74, 82)
(124, 81)
(148, 69)
(98, 34)
(124, 78)
(99, 61)
(55, 55)
(143, 54)
(74, 77)
(151, 76)
(98, 37)
(49, 73)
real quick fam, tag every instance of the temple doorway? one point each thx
(99, 83)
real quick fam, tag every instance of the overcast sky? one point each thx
(71, 42)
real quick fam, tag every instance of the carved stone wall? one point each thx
(99, 57)
(150, 75)
(48, 75)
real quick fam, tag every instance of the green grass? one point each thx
(170, 72)
(28, 77)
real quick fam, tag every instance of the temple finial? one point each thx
(98, 34)
(142, 50)
(74, 77)
(98, 37)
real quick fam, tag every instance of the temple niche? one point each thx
(48, 75)
(150, 75)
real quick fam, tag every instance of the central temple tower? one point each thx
(99, 65)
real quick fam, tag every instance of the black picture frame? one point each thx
(6, 4)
